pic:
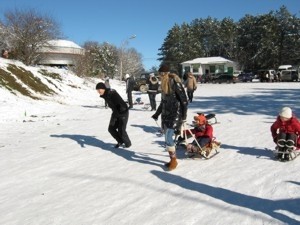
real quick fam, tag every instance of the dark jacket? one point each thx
(291, 126)
(130, 84)
(115, 102)
(173, 106)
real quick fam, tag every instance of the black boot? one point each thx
(118, 145)
(290, 144)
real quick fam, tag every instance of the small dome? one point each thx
(63, 43)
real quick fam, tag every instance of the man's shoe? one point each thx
(118, 145)
(127, 145)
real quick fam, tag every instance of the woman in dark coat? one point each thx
(119, 117)
(173, 110)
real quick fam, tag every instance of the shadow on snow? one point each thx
(127, 154)
(266, 206)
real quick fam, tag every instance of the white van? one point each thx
(284, 67)
(289, 75)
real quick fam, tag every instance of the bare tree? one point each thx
(103, 60)
(4, 38)
(27, 31)
(132, 62)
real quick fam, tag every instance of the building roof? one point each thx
(208, 60)
(60, 52)
(61, 47)
(63, 43)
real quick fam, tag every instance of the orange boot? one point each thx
(173, 161)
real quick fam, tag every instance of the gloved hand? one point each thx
(155, 117)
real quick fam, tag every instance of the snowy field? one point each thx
(58, 165)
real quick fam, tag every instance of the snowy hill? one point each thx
(58, 164)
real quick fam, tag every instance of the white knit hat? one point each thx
(286, 112)
(127, 76)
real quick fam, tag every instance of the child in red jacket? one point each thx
(286, 130)
(202, 132)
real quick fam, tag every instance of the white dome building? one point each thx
(60, 53)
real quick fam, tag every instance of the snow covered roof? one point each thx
(208, 60)
(60, 52)
(63, 43)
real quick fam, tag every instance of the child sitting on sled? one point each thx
(285, 132)
(203, 141)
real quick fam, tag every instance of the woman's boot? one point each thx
(173, 161)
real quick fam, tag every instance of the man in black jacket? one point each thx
(119, 117)
(129, 89)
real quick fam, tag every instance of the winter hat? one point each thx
(164, 68)
(151, 74)
(100, 86)
(286, 112)
(127, 76)
(200, 119)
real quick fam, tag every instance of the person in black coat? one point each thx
(173, 110)
(129, 89)
(152, 91)
(119, 117)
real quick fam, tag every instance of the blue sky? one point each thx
(114, 21)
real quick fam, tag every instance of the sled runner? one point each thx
(146, 106)
(207, 152)
(287, 154)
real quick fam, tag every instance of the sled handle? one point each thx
(192, 136)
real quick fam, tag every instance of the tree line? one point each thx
(24, 32)
(254, 42)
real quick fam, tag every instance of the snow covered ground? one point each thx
(58, 164)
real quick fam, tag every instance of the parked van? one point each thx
(285, 67)
(289, 75)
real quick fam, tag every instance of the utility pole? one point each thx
(123, 45)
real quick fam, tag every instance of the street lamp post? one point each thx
(123, 45)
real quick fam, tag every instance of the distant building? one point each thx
(208, 65)
(61, 53)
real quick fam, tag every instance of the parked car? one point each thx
(225, 78)
(289, 75)
(245, 77)
(205, 78)
(237, 73)
(208, 78)
(141, 82)
(266, 75)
